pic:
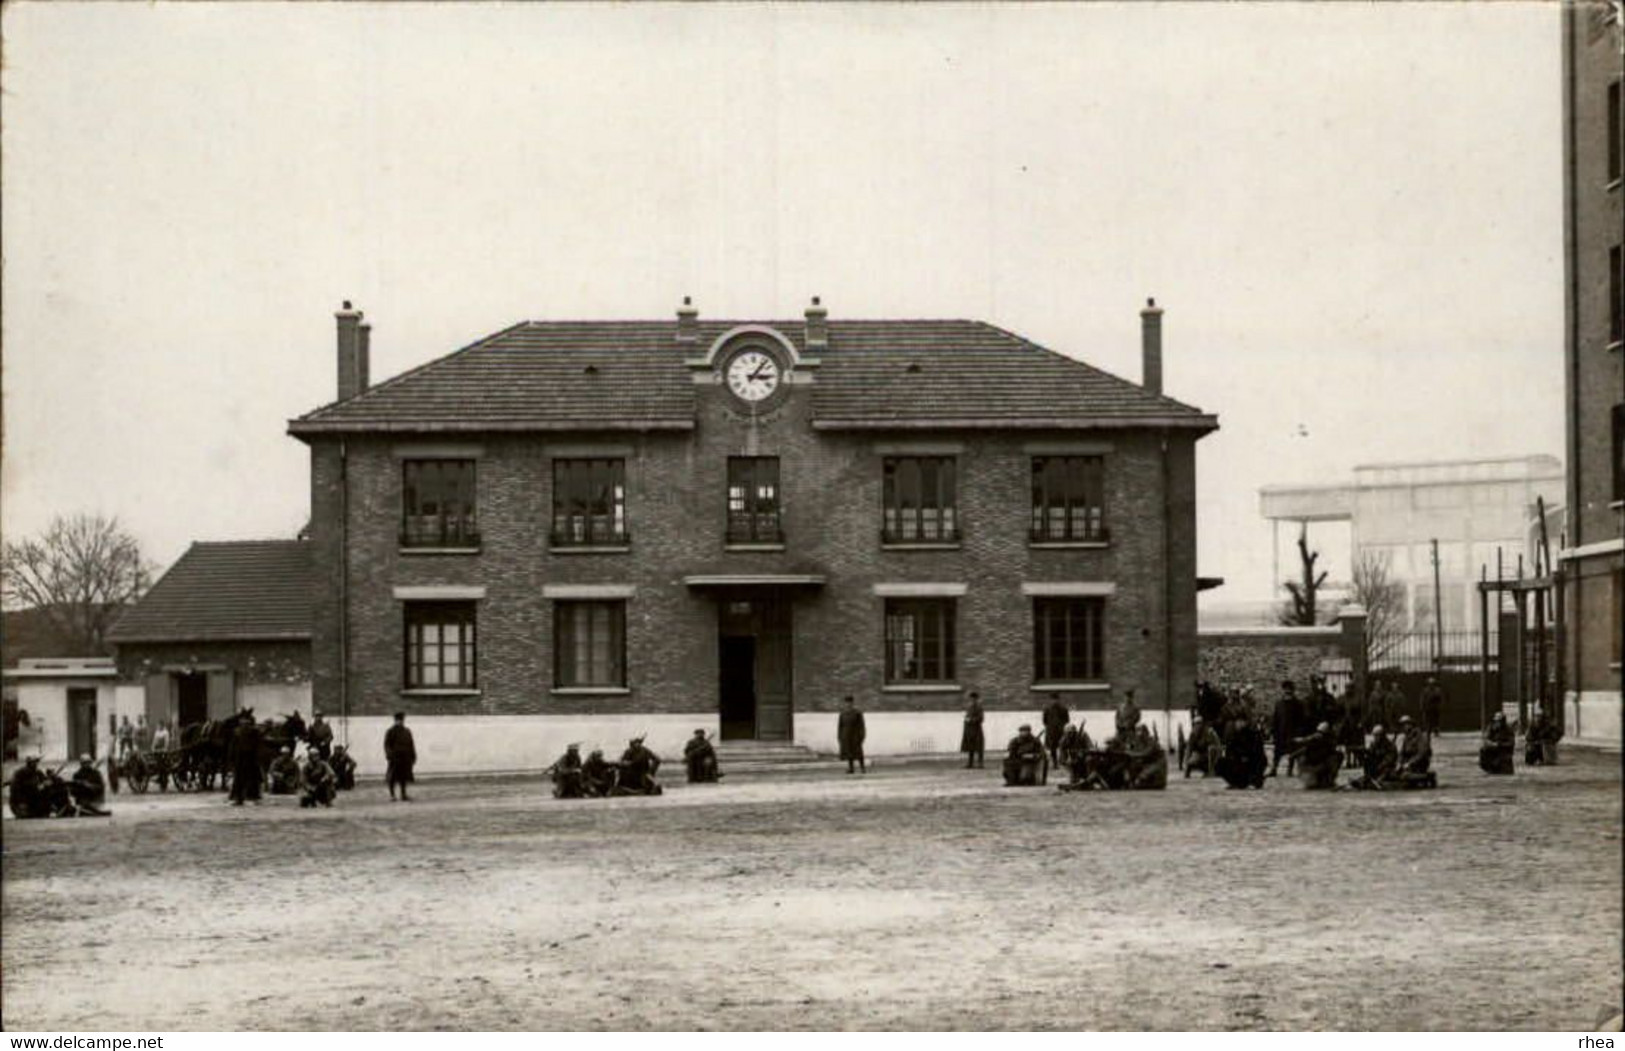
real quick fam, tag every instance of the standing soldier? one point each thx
(320, 736)
(1288, 719)
(1055, 719)
(850, 731)
(971, 742)
(1432, 707)
(400, 755)
(126, 737)
(244, 755)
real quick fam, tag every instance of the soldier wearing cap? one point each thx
(320, 736)
(638, 766)
(598, 774)
(87, 787)
(343, 768)
(1024, 759)
(1128, 717)
(1318, 757)
(317, 782)
(1381, 757)
(567, 776)
(28, 789)
(849, 734)
(1203, 749)
(1055, 718)
(283, 775)
(701, 759)
(400, 755)
(1496, 749)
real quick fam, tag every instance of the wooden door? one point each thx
(159, 688)
(223, 694)
(773, 678)
(81, 721)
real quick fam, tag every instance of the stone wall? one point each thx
(1266, 657)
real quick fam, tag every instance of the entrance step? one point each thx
(753, 755)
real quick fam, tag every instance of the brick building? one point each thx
(576, 531)
(1593, 560)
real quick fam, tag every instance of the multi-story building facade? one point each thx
(577, 531)
(1593, 562)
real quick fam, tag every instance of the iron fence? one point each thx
(1425, 651)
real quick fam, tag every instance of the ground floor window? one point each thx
(919, 641)
(439, 645)
(589, 644)
(1068, 640)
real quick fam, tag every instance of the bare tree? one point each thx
(1384, 600)
(79, 574)
(1298, 611)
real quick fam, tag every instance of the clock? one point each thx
(753, 375)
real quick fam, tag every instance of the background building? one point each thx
(1594, 367)
(580, 531)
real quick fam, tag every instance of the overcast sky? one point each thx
(1352, 214)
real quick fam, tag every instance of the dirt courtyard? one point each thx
(920, 897)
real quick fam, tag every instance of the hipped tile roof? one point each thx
(232, 590)
(588, 375)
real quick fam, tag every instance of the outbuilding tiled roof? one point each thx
(586, 375)
(231, 590)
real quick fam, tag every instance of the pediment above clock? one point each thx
(781, 344)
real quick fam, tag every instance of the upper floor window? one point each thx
(1616, 308)
(1619, 452)
(1614, 131)
(1069, 640)
(589, 644)
(920, 503)
(440, 645)
(753, 500)
(589, 502)
(437, 504)
(919, 641)
(1069, 498)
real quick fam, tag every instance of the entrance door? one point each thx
(81, 721)
(191, 698)
(754, 667)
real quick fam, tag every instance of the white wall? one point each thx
(1593, 717)
(928, 733)
(275, 701)
(46, 702)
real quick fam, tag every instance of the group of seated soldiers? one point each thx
(316, 781)
(1132, 759)
(634, 775)
(37, 793)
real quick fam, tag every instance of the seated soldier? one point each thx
(1203, 749)
(1415, 757)
(317, 782)
(598, 774)
(1024, 758)
(343, 769)
(1075, 751)
(1540, 747)
(88, 788)
(1498, 744)
(638, 766)
(1243, 764)
(27, 797)
(282, 779)
(1148, 761)
(1380, 759)
(1318, 758)
(701, 759)
(568, 781)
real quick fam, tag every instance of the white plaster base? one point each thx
(1592, 717)
(927, 733)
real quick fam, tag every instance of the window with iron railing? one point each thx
(437, 504)
(753, 500)
(919, 501)
(589, 503)
(1069, 499)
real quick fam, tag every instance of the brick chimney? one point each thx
(817, 327)
(688, 322)
(1151, 347)
(355, 341)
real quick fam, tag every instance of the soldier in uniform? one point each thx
(244, 755)
(1055, 718)
(1024, 758)
(598, 774)
(1243, 764)
(343, 768)
(1432, 707)
(1148, 761)
(1540, 739)
(283, 776)
(1496, 749)
(1381, 757)
(294, 727)
(1286, 723)
(1204, 748)
(320, 736)
(1319, 757)
(568, 782)
(317, 782)
(638, 766)
(88, 788)
(1075, 752)
(1128, 716)
(850, 732)
(28, 789)
(1415, 756)
(701, 759)
(971, 741)
(400, 756)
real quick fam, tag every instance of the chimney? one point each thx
(1151, 347)
(354, 340)
(688, 322)
(817, 327)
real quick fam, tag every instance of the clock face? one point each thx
(753, 375)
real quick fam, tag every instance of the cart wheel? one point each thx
(137, 776)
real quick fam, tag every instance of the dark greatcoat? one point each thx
(850, 731)
(245, 761)
(971, 741)
(400, 754)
